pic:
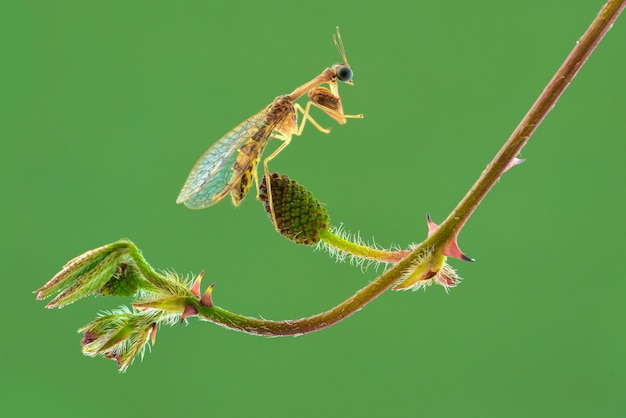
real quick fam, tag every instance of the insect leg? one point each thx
(338, 116)
(305, 116)
(286, 140)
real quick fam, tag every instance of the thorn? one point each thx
(207, 299)
(432, 227)
(153, 333)
(466, 258)
(195, 287)
(452, 250)
(515, 161)
(189, 311)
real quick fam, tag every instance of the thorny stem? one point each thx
(542, 106)
(456, 220)
(310, 324)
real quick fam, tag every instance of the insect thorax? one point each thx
(283, 115)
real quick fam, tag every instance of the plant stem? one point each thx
(459, 216)
(542, 106)
(310, 324)
(357, 250)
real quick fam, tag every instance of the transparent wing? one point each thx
(210, 179)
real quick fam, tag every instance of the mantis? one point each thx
(230, 164)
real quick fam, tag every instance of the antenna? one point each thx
(340, 48)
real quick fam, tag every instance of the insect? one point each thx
(231, 163)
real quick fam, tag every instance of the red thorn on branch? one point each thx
(515, 161)
(189, 311)
(195, 287)
(452, 248)
(153, 333)
(207, 298)
(432, 227)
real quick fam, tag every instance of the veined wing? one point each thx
(210, 179)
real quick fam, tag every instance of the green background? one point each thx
(107, 105)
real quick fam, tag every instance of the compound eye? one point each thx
(344, 74)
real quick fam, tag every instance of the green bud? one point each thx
(120, 335)
(299, 217)
(125, 282)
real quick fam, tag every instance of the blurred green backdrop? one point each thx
(107, 105)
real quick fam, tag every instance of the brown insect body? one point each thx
(282, 119)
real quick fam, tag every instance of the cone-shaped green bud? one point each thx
(120, 335)
(125, 282)
(299, 217)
